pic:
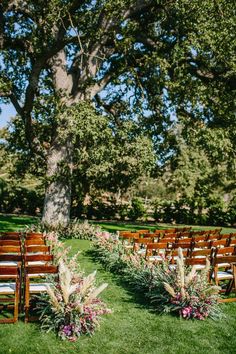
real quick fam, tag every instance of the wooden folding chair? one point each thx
(34, 242)
(199, 238)
(8, 254)
(184, 235)
(142, 232)
(220, 243)
(225, 236)
(201, 245)
(34, 288)
(38, 250)
(128, 240)
(202, 254)
(34, 236)
(9, 291)
(140, 245)
(212, 237)
(232, 242)
(182, 244)
(199, 263)
(11, 236)
(174, 254)
(155, 252)
(220, 274)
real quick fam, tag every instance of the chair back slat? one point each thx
(42, 269)
(38, 257)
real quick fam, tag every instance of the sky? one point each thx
(7, 111)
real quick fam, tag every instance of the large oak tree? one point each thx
(155, 59)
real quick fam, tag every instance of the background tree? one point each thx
(152, 57)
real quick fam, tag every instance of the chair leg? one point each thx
(16, 302)
(27, 295)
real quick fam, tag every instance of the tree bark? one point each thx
(57, 200)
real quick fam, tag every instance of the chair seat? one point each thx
(8, 264)
(36, 263)
(7, 288)
(223, 265)
(199, 266)
(36, 275)
(172, 266)
(38, 287)
(155, 258)
(142, 251)
(223, 275)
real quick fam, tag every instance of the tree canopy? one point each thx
(152, 61)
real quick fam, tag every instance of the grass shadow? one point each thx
(135, 296)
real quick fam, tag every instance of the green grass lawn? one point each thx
(14, 223)
(132, 328)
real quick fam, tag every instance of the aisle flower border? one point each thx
(181, 290)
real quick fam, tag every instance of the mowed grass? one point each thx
(132, 328)
(15, 223)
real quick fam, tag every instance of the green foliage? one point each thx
(16, 198)
(137, 209)
(167, 66)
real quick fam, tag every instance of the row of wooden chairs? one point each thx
(21, 260)
(220, 252)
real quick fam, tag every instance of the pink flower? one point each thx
(186, 312)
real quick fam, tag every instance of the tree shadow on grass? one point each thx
(135, 296)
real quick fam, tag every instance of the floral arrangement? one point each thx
(184, 290)
(181, 290)
(76, 229)
(110, 251)
(71, 306)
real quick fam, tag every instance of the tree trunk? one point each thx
(57, 200)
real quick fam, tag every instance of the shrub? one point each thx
(137, 209)
(76, 229)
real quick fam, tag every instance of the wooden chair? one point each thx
(220, 243)
(171, 235)
(10, 242)
(225, 236)
(142, 232)
(229, 275)
(199, 238)
(9, 291)
(11, 236)
(173, 255)
(140, 245)
(169, 231)
(201, 244)
(155, 252)
(232, 242)
(128, 240)
(34, 236)
(149, 235)
(199, 263)
(212, 237)
(36, 250)
(34, 242)
(201, 254)
(182, 244)
(10, 255)
(185, 234)
(33, 288)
